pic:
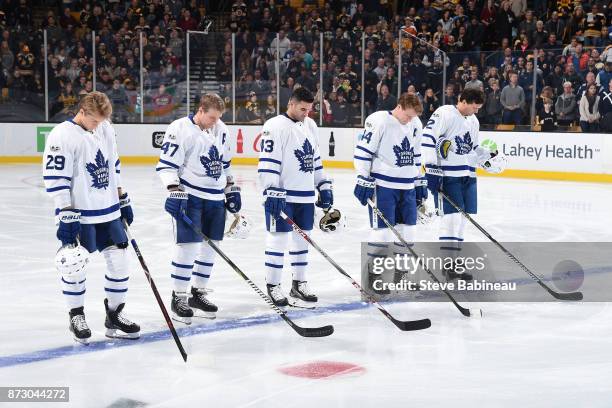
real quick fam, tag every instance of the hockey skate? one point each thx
(181, 312)
(78, 326)
(119, 327)
(276, 294)
(300, 290)
(200, 305)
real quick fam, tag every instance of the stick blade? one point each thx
(412, 325)
(315, 331)
(567, 296)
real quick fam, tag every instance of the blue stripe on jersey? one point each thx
(450, 239)
(103, 211)
(362, 158)
(163, 168)
(405, 180)
(274, 253)
(203, 263)
(52, 189)
(57, 178)
(297, 193)
(117, 163)
(226, 165)
(417, 155)
(181, 265)
(268, 171)
(317, 158)
(116, 280)
(299, 263)
(168, 163)
(298, 252)
(458, 168)
(318, 168)
(270, 161)
(118, 171)
(428, 145)
(323, 182)
(202, 189)
(433, 139)
(365, 150)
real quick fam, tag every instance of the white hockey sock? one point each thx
(275, 252)
(298, 255)
(117, 276)
(451, 233)
(203, 265)
(182, 265)
(73, 288)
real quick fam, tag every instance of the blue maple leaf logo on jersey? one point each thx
(404, 154)
(305, 157)
(463, 144)
(213, 163)
(98, 171)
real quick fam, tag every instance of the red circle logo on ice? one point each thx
(322, 369)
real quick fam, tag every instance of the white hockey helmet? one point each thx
(332, 221)
(71, 259)
(240, 228)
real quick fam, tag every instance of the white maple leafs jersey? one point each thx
(199, 160)
(81, 169)
(289, 158)
(461, 154)
(389, 151)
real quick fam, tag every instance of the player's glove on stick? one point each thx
(275, 201)
(233, 201)
(176, 204)
(69, 226)
(364, 189)
(326, 199)
(126, 208)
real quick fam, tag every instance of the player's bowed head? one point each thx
(94, 108)
(300, 104)
(209, 111)
(470, 101)
(408, 107)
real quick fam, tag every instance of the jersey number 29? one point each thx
(55, 162)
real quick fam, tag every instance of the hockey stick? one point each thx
(556, 295)
(464, 311)
(402, 325)
(155, 292)
(302, 331)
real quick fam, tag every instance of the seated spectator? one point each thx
(589, 110)
(566, 106)
(605, 108)
(590, 80)
(512, 98)
(605, 74)
(547, 117)
(250, 112)
(385, 101)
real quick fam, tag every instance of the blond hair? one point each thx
(212, 100)
(96, 103)
(407, 100)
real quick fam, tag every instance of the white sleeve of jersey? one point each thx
(433, 131)
(228, 154)
(270, 157)
(418, 126)
(58, 164)
(115, 153)
(172, 156)
(480, 154)
(322, 182)
(367, 146)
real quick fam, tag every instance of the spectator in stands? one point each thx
(504, 21)
(594, 23)
(450, 97)
(605, 108)
(493, 107)
(513, 99)
(270, 109)
(386, 101)
(251, 112)
(590, 80)
(570, 75)
(430, 104)
(341, 110)
(547, 118)
(579, 58)
(566, 105)
(474, 82)
(67, 101)
(589, 110)
(390, 79)
(605, 75)
(555, 25)
(119, 99)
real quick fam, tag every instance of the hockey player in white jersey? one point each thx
(290, 174)
(194, 166)
(387, 160)
(81, 172)
(452, 153)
